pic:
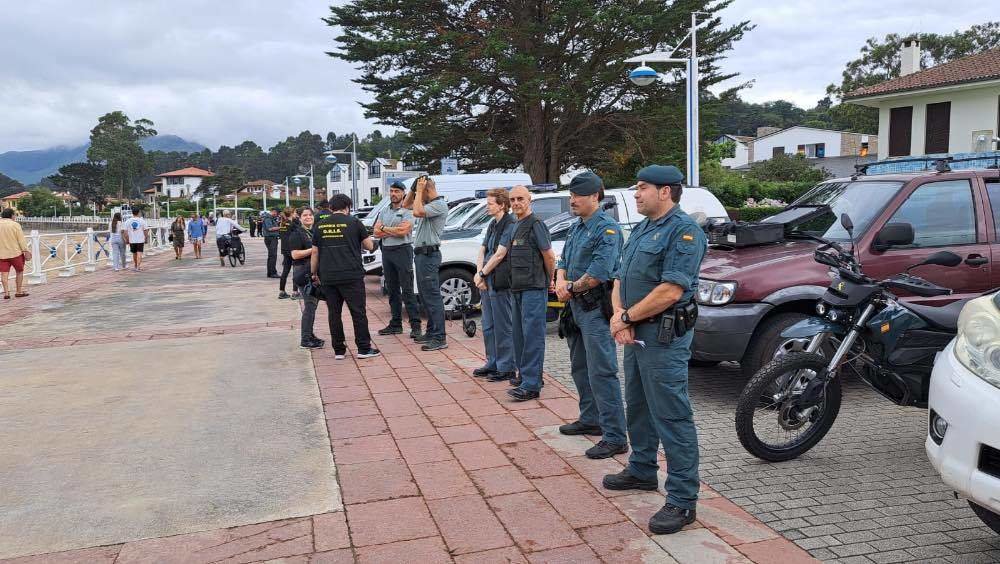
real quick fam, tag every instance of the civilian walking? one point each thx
(494, 292)
(301, 248)
(13, 254)
(336, 265)
(177, 233)
(394, 226)
(196, 231)
(270, 228)
(116, 236)
(431, 210)
(135, 230)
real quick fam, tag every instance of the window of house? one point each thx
(942, 214)
(900, 131)
(777, 151)
(175, 180)
(800, 150)
(864, 149)
(819, 150)
(374, 170)
(938, 128)
(335, 175)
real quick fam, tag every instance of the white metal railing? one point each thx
(86, 219)
(65, 252)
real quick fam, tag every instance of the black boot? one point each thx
(578, 428)
(483, 371)
(501, 376)
(604, 449)
(390, 330)
(626, 481)
(670, 519)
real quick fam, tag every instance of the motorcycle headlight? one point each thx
(711, 292)
(978, 344)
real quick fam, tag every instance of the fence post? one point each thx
(36, 276)
(91, 264)
(68, 268)
(151, 247)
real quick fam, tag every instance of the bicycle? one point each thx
(234, 249)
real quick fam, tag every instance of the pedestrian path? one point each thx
(432, 465)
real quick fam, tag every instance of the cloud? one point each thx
(798, 48)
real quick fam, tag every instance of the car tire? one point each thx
(766, 340)
(987, 516)
(455, 280)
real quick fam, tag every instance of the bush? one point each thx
(786, 168)
(734, 188)
(753, 213)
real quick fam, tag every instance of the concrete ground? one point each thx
(156, 403)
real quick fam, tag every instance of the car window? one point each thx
(993, 189)
(613, 210)
(862, 200)
(547, 207)
(941, 213)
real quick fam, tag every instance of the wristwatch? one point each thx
(625, 318)
(482, 274)
(569, 287)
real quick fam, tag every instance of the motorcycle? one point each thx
(790, 404)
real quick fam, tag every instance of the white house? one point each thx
(182, 183)
(811, 142)
(373, 176)
(950, 108)
(741, 154)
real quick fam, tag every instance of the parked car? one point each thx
(962, 442)
(750, 295)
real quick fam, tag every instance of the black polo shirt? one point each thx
(338, 237)
(300, 239)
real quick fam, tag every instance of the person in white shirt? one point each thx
(224, 227)
(135, 231)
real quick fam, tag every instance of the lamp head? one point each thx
(331, 159)
(297, 180)
(643, 76)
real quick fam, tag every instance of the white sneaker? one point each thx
(338, 356)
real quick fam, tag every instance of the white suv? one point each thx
(963, 436)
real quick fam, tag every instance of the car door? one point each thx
(992, 188)
(946, 215)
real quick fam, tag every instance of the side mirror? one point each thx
(893, 235)
(846, 223)
(943, 258)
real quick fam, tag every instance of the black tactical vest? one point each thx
(527, 269)
(501, 274)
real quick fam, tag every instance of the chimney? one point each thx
(910, 57)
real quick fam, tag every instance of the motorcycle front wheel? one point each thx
(770, 422)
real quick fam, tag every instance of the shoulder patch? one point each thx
(610, 231)
(687, 237)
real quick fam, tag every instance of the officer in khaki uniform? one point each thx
(589, 258)
(654, 318)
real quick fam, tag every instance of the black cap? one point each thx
(586, 183)
(661, 175)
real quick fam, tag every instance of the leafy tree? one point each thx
(786, 168)
(538, 84)
(41, 202)
(226, 181)
(83, 180)
(114, 142)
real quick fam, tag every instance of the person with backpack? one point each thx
(494, 293)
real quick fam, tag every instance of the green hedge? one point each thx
(752, 214)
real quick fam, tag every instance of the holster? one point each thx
(685, 317)
(567, 325)
(597, 297)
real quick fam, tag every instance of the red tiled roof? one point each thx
(189, 171)
(17, 196)
(974, 68)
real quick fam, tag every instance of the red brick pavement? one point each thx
(436, 466)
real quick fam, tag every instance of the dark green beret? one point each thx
(660, 175)
(585, 184)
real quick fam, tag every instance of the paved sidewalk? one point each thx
(434, 465)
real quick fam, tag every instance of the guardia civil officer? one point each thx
(532, 263)
(654, 313)
(431, 209)
(394, 227)
(589, 258)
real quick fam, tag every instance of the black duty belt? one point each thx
(426, 250)
(391, 247)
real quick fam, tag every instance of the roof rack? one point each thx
(533, 188)
(935, 163)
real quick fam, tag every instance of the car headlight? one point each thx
(978, 344)
(711, 292)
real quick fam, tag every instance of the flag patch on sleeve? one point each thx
(610, 231)
(687, 237)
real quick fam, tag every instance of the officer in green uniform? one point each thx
(589, 258)
(654, 315)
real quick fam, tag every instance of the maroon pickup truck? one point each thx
(749, 295)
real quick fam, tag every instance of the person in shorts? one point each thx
(135, 229)
(13, 253)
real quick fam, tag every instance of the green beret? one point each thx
(661, 175)
(398, 184)
(585, 184)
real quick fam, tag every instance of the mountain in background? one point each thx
(29, 167)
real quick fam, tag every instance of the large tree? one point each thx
(538, 83)
(226, 181)
(85, 181)
(114, 143)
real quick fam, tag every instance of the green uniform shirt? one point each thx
(592, 247)
(669, 249)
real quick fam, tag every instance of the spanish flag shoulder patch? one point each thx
(687, 237)
(610, 231)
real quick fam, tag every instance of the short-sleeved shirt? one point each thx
(428, 229)
(669, 249)
(300, 239)
(338, 237)
(593, 247)
(391, 217)
(284, 228)
(496, 237)
(135, 228)
(540, 232)
(196, 229)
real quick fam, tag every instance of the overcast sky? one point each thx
(222, 72)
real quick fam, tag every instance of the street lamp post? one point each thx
(312, 186)
(644, 75)
(287, 201)
(331, 158)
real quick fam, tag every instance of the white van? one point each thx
(456, 186)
